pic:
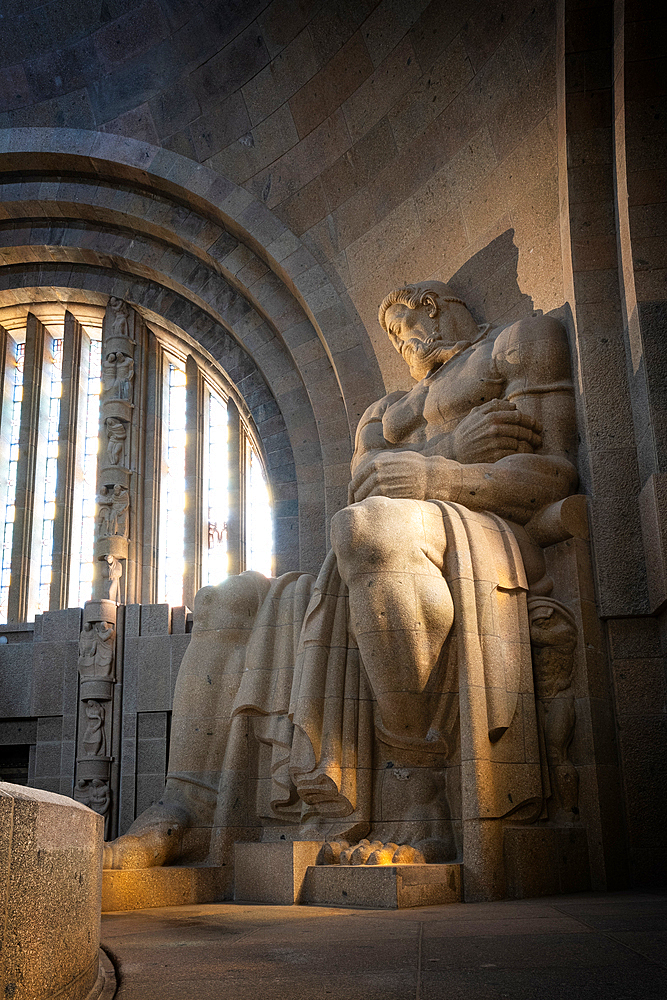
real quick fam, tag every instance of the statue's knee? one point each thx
(370, 530)
(230, 604)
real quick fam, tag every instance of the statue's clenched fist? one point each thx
(493, 431)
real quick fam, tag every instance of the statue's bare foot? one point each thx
(432, 850)
(154, 839)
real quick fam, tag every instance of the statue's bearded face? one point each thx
(416, 335)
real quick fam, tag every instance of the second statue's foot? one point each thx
(155, 839)
(376, 852)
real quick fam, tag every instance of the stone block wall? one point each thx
(41, 708)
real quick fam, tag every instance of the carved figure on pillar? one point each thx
(117, 376)
(116, 431)
(104, 501)
(120, 326)
(87, 648)
(118, 516)
(96, 795)
(553, 636)
(410, 651)
(112, 570)
(94, 740)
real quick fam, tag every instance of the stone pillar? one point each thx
(117, 573)
(97, 676)
(195, 412)
(68, 506)
(30, 473)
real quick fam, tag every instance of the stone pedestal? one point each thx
(50, 882)
(382, 887)
(146, 888)
(273, 873)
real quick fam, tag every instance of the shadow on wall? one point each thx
(489, 283)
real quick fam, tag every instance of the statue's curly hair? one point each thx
(425, 293)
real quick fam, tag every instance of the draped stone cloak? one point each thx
(304, 678)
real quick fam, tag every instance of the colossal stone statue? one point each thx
(387, 708)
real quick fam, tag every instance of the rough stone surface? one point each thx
(136, 889)
(51, 871)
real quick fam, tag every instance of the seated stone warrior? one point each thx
(391, 699)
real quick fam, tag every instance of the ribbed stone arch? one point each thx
(298, 493)
(93, 211)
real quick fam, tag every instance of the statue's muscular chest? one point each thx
(436, 405)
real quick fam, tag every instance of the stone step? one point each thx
(285, 873)
(382, 887)
(145, 888)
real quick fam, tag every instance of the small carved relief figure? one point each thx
(95, 794)
(104, 501)
(104, 653)
(87, 648)
(108, 375)
(112, 570)
(119, 324)
(116, 435)
(117, 375)
(120, 503)
(94, 738)
(124, 376)
(553, 637)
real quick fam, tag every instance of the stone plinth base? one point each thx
(545, 860)
(382, 887)
(145, 888)
(273, 873)
(50, 880)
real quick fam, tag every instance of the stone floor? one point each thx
(608, 946)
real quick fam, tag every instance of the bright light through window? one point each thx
(46, 546)
(216, 567)
(259, 523)
(173, 490)
(10, 495)
(82, 562)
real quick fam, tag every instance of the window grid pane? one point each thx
(259, 522)
(173, 490)
(46, 546)
(82, 563)
(10, 495)
(217, 489)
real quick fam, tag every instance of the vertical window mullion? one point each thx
(10, 422)
(30, 470)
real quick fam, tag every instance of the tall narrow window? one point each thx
(83, 553)
(216, 562)
(173, 489)
(46, 545)
(259, 523)
(10, 495)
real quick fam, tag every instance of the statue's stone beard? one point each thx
(422, 356)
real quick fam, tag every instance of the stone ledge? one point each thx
(145, 888)
(382, 887)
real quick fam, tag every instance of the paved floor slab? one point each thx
(589, 946)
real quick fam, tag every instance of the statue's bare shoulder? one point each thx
(533, 353)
